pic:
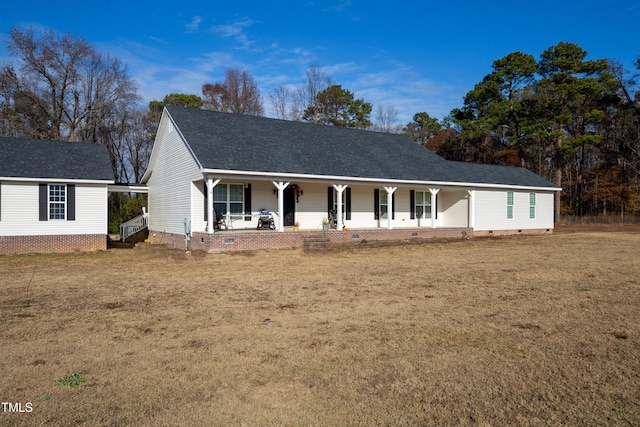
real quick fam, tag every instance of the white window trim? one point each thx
(512, 205)
(535, 201)
(50, 202)
(383, 193)
(228, 200)
(424, 204)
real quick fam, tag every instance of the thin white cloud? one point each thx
(340, 7)
(406, 89)
(194, 25)
(158, 40)
(211, 62)
(236, 30)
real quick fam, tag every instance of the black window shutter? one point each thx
(247, 202)
(71, 202)
(412, 203)
(347, 203)
(206, 196)
(435, 204)
(393, 205)
(43, 193)
(329, 199)
(376, 203)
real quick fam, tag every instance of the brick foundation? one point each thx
(226, 241)
(12, 245)
(488, 233)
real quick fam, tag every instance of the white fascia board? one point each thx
(61, 180)
(266, 176)
(128, 188)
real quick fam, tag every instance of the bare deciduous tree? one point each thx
(387, 119)
(280, 97)
(290, 104)
(237, 94)
(66, 90)
(317, 81)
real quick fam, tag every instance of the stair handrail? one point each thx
(134, 225)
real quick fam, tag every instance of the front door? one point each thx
(289, 206)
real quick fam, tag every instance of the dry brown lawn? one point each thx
(512, 331)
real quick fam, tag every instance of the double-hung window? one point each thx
(509, 204)
(532, 205)
(423, 204)
(228, 199)
(384, 205)
(57, 201)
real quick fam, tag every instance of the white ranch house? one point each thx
(53, 195)
(380, 186)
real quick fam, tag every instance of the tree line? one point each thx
(570, 119)
(567, 118)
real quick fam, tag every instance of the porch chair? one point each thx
(333, 218)
(219, 223)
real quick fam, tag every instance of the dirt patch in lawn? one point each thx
(526, 330)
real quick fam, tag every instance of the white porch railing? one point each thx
(134, 225)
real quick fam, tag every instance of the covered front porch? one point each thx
(309, 204)
(227, 211)
(252, 239)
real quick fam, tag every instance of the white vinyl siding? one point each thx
(171, 184)
(491, 207)
(453, 208)
(20, 211)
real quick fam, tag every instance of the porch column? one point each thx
(434, 205)
(210, 219)
(472, 208)
(390, 191)
(339, 189)
(280, 185)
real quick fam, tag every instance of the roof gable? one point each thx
(224, 141)
(32, 158)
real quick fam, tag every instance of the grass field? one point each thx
(512, 331)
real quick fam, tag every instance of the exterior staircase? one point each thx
(134, 226)
(316, 242)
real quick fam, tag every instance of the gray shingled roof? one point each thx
(32, 158)
(258, 144)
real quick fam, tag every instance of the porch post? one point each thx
(390, 191)
(339, 189)
(434, 205)
(210, 219)
(472, 208)
(280, 185)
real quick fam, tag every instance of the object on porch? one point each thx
(219, 223)
(325, 224)
(265, 220)
(333, 218)
(296, 226)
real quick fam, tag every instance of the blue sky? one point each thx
(413, 55)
